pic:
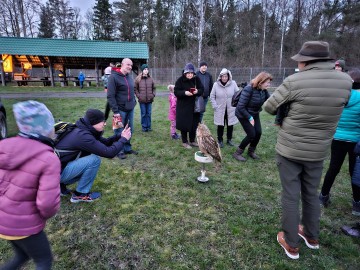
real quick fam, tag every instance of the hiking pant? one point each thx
(299, 179)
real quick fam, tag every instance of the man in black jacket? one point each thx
(207, 81)
(80, 152)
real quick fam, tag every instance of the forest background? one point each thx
(231, 33)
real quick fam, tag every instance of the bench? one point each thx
(25, 82)
(87, 82)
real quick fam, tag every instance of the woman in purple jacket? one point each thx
(29, 185)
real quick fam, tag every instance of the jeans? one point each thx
(81, 84)
(126, 117)
(83, 171)
(229, 131)
(145, 109)
(299, 178)
(253, 133)
(206, 99)
(36, 247)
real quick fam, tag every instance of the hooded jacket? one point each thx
(220, 98)
(29, 186)
(145, 89)
(316, 96)
(88, 140)
(120, 94)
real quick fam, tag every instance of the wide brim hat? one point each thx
(313, 50)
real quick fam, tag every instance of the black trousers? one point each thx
(339, 150)
(253, 133)
(229, 130)
(192, 133)
(34, 247)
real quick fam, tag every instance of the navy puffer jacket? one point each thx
(250, 102)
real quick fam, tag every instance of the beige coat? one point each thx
(317, 96)
(220, 98)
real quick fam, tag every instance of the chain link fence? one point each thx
(165, 76)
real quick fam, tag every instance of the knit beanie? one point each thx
(340, 63)
(189, 68)
(94, 116)
(203, 63)
(34, 118)
(143, 66)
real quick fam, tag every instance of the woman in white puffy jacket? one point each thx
(224, 114)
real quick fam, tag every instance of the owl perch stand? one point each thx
(200, 157)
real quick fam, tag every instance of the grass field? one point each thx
(154, 214)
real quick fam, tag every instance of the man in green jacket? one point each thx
(316, 96)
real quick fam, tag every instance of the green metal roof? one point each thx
(73, 48)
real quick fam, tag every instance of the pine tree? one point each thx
(103, 20)
(46, 26)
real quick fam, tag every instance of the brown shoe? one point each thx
(292, 253)
(238, 155)
(251, 153)
(194, 144)
(311, 243)
(187, 146)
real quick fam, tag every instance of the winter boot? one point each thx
(238, 155)
(251, 153)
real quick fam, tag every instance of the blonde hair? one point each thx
(260, 79)
(170, 87)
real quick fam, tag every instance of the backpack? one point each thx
(235, 98)
(61, 130)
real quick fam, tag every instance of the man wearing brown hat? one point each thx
(80, 151)
(316, 96)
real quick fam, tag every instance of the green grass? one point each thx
(154, 214)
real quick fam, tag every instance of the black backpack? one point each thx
(235, 98)
(61, 130)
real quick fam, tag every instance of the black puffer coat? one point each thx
(250, 102)
(185, 104)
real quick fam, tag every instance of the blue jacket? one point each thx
(81, 77)
(88, 140)
(348, 128)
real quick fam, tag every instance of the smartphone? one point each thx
(192, 90)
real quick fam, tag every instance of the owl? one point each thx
(207, 144)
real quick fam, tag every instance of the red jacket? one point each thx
(29, 186)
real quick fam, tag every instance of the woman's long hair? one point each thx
(260, 79)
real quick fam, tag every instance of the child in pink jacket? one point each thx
(172, 112)
(29, 186)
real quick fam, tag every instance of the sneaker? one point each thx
(324, 200)
(85, 197)
(230, 143)
(187, 146)
(353, 231)
(311, 243)
(121, 155)
(356, 208)
(175, 136)
(291, 252)
(221, 144)
(131, 152)
(194, 144)
(64, 191)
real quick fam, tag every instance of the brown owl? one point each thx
(207, 144)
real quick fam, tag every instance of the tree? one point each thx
(46, 26)
(103, 20)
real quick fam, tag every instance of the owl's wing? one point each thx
(208, 145)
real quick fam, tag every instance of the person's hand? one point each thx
(252, 122)
(188, 93)
(126, 133)
(195, 91)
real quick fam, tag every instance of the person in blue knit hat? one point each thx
(187, 87)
